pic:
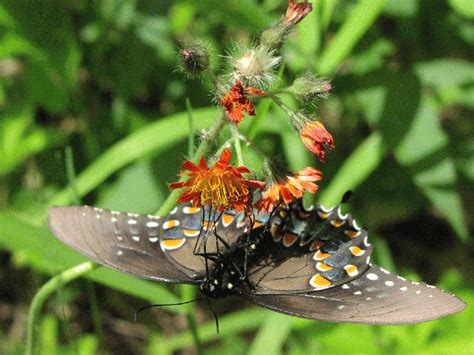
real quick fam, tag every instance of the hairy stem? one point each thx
(238, 147)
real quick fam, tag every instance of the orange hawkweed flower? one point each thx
(221, 187)
(297, 11)
(236, 102)
(316, 138)
(288, 189)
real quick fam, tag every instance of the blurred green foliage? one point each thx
(99, 77)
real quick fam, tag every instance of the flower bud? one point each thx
(313, 134)
(273, 37)
(194, 60)
(308, 88)
(296, 12)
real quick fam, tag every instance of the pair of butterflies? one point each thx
(307, 263)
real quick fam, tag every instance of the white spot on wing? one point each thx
(404, 288)
(340, 215)
(174, 210)
(152, 224)
(355, 225)
(389, 283)
(372, 276)
(136, 238)
(357, 293)
(153, 239)
(345, 286)
(132, 222)
(324, 209)
(384, 271)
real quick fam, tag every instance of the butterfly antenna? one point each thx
(137, 313)
(214, 313)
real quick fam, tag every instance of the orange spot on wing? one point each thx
(170, 224)
(191, 210)
(257, 224)
(351, 233)
(191, 232)
(351, 270)
(171, 244)
(356, 251)
(316, 245)
(322, 266)
(289, 239)
(319, 255)
(337, 222)
(319, 281)
(227, 219)
(323, 215)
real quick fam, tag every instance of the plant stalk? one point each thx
(42, 295)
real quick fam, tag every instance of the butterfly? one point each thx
(311, 263)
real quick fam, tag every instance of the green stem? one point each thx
(202, 150)
(189, 108)
(95, 312)
(71, 175)
(238, 147)
(4, 191)
(42, 295)
(188, 292)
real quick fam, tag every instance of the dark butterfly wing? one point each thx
(311, 250)
(376, 297)
(126, 242)
(187, 226)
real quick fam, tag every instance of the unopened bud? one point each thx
(194, 60)
(308, 88)
(273, 37)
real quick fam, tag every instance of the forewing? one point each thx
(376, 297)
(126, 242)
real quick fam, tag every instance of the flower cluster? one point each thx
(223, 186)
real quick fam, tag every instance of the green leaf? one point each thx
(353, 29)
(147, 140)
(19, 139)
(271, 335)
(463, 7)
(355, 169)
(445, 72)
(425, 152)
(230, 324)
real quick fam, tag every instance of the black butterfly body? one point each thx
(307, 263)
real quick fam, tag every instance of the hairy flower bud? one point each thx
(273, 37)
(194, 60)
(307, 88)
